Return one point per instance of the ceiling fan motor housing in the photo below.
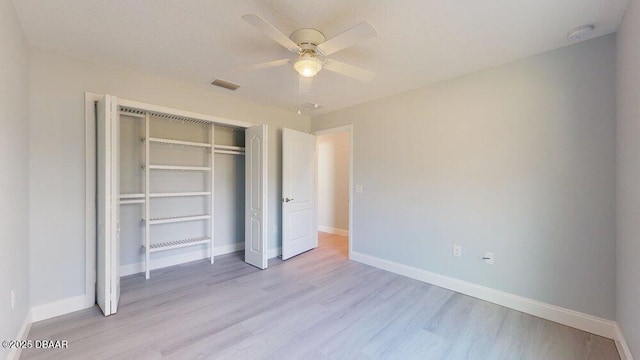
(307, 39)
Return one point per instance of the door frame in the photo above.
(90, 231)
(336, 130)
(90, 175)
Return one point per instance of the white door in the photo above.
(299, 193)
(108, 211)
(255, 238)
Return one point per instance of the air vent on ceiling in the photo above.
(225, 84)
(309, 106)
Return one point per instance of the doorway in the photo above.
(335, 182)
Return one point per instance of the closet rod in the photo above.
(129, 202)
(229, 147)
(131, 196)
(229, 152)
(182, 168)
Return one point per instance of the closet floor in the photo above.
(318, 305)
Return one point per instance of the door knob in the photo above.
(287, 199)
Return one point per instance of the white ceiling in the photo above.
(419, 41)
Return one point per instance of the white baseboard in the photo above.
(57, 308)
(621, 345)
(199, 254)
(332, 230)
(23, 333)
(578, 320)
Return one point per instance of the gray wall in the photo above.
(628, 190)
(333, 180)
(57, 85)
(518, 159)
(14, 174)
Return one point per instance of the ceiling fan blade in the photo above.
(356, 34)
(265, 65)
(261, 24)
(349, 70)
(304, 84)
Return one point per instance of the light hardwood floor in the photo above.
(318, 305)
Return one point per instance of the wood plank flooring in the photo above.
(318, 305)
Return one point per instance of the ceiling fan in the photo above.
(312, 47)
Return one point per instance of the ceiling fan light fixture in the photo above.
(308, 66)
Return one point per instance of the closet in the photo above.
(175, 186)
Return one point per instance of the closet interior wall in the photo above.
(228, 192)
(229, 180)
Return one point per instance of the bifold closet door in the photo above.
(299, 191)
(255, 238)
(108, 207)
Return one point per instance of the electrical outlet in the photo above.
(13, 299)
(457, 250)
(359, 189)
(488, 258)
